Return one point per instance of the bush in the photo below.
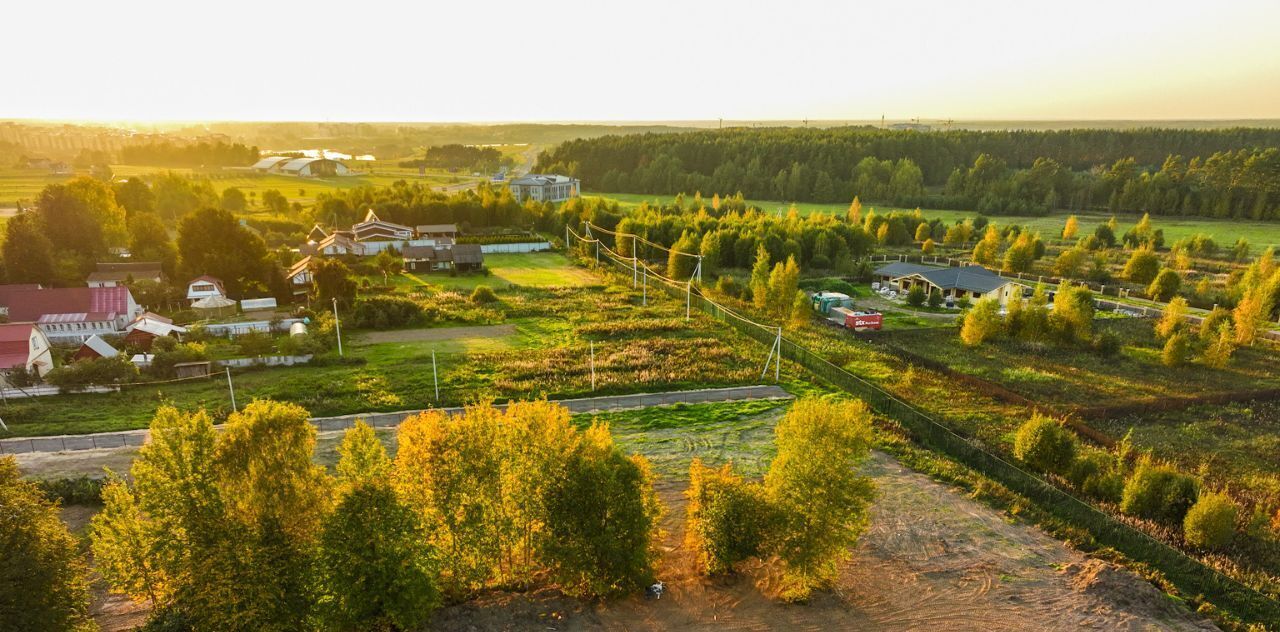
(255, 343)
(483, 295)
(838, 285)
(916, 296)
(935, 299)
(728, 286)
(1165, 285)
(982, 323)
(1211, 522)
(1095, 473)
(382, 312)
(1106, 344)
(1159, 492)
(98, 371)
(1045, 444)
(729, 519)
(167, 355)
(1177, 350)
(81, 490)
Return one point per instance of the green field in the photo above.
(549, 269)
(1224, 231)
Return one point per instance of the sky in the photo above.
(599, 60)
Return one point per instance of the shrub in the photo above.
(729, 286)
(838, 285)
(483, 295)
(1045, 444)
(1142, 267)
(1176, 350)
(1211, 522)
(1159, 492)
(1095, 473)
(255, 343)
(1106, 344)
(1165, 285)
(81, 490)
(1210, 325)
(382, 312)
(98, 371)
(916, 296)
(164, 359)
(935, 298)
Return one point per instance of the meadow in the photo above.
(1225, 231)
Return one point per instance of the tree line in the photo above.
(202, 154)
(240, 529)
(457, 156)
(1221, 173)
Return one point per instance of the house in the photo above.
(144, 331)
(205, 286)
(73, 314)
(113, 274)
(972, 281)
(317, 234)
(24, 345)
(299, 277)
(93, 348)
(545, 188)
(374, 229)
(313, 168)
(467, 257)
(426, 258)
(337, 244)
(438, 232)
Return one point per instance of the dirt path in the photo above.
(438, 333)
(931, 560)
(880, 304)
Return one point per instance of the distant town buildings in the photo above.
(545, 188)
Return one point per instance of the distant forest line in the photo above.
(1217, 173)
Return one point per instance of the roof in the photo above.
(75, 317)
(153, 316)
(156, 327)
(902, 268)
(122, 271)
(299, 267)
(31, 305)
(538, 179)
(468, 253)
(258, 303)
(7, 290)
(213, 302)
(298, 163)
(971, 278)
(270, 161)
(208, 279)
(100, 347)
(438, 228)
(15, 344)
(418, 252)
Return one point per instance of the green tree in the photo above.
(916, 296)
(149, 241)
(388, 264)
(233, 200)
(1211, 522)
(680, 265)
(211, 241)
(1045, 444)
(601, 519)
(1159, 492)
(362, 458)
(44, 583)
(728, 520)
(710, 250)
(1174, 318)
(28, 255)
(135, 196)
(784, 282)
(331, 279)
(981, 323)
(760, 279)
(275, 201)
(815, 486)
(1177, 350)
(1142, 267)
(1165, 285)
(1070, 262)
(935, 298)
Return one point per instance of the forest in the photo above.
(456, 156)
(1218, 173)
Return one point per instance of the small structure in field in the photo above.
(210, 306)
(94, 348)
(468, 257)
(191, 369)
(144, 331)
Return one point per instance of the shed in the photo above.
(257, 304)
(191, 369)
(468, 257)
(95, 347)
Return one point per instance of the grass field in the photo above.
(549, 269)
(1224, 231)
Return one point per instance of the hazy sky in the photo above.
(470, 60)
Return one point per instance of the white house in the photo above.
(24, 345)
(545, 188)
(205, 286)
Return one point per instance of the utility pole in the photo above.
(231, 387)
(645, 294)
(435, 380)
(688, 298)
(593, 365)
(337, 326)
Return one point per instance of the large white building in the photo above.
(74, 314)
(545, 188)
(302, 167)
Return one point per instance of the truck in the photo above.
(856, 319)
(824, 302)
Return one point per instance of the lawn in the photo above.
(547, 269)
(1224, 231)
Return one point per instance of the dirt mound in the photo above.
(1117, 587)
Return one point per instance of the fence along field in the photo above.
(1188, 575)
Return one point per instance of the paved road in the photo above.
(63, 443)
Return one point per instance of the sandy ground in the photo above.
(438, 333)
(931, 560)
